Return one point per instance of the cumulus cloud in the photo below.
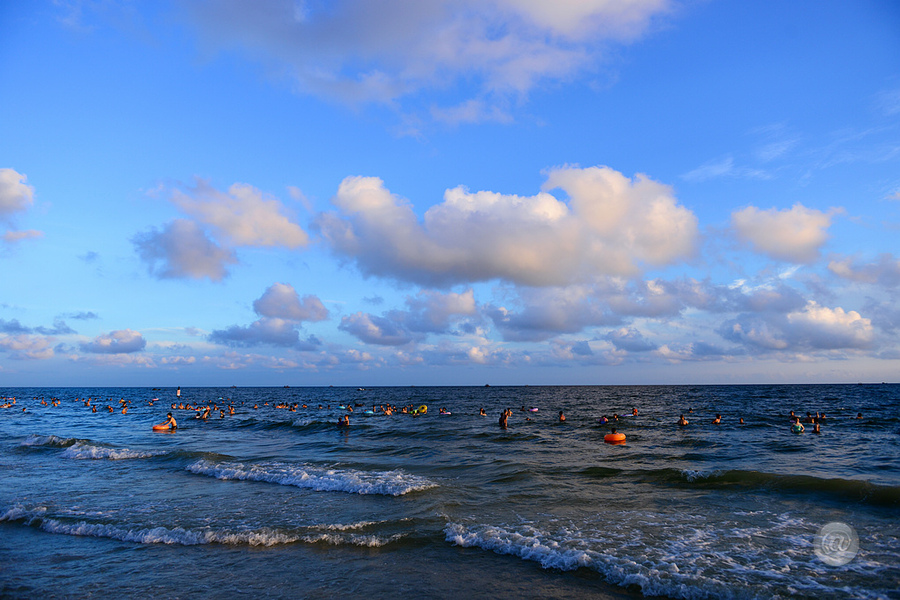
(182, 249)
(542, 314)
(814, 327)
(381, 331)
(630, 340)
(16, 196)
(794, 235)
(244, 216)
(830, 328)
(121, 341)
(884, 271)
(265, 331)
(380, 51)
(281, 300)
(281, 312)
(612, 225)
(428, 311)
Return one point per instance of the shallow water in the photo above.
(275, 503)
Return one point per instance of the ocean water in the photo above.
(278, 504)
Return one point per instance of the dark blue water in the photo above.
(279, 503)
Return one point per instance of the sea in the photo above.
(278, 501)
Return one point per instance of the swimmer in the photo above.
(504, 417)
(859, 415)
(603, 420)
(742, 420)
(170, 421)
(344, 421)
(482, 413)
(816, 428)
(634, 412)
(717, 420)
(682, 421)
(562, 417)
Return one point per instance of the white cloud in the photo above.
(121, 341)
(15, 194)
(612, 225)
(546, 313)
(794, 235)
(244, 216)
(183, 249)
(429, 312)
(27, 347)
(265, 331)
(579, 18)
(281, 310)
(380, 331)
(813, 327)
(382, 50)
(885, 271)
(281, 300)
(630, 339)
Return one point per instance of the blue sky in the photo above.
(437, 193)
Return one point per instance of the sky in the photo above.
(468, 192)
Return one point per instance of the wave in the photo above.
(387, 483)
(85, 449)
(679, 560)
(567, 552)
(332, 535)
(49, 441)
(849, 489)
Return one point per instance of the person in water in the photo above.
(717, 420)
(562, 417)
(482, 413)
(682, 421)
(170, 421)
(504, 417)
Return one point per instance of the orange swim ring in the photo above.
(614, 438)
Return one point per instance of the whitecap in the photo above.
(180, 536)
(387, 483)
(85, 450)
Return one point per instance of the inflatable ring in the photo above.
(422, 410)
(161, 428)
(614, 438)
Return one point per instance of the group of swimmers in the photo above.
(203, 411)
